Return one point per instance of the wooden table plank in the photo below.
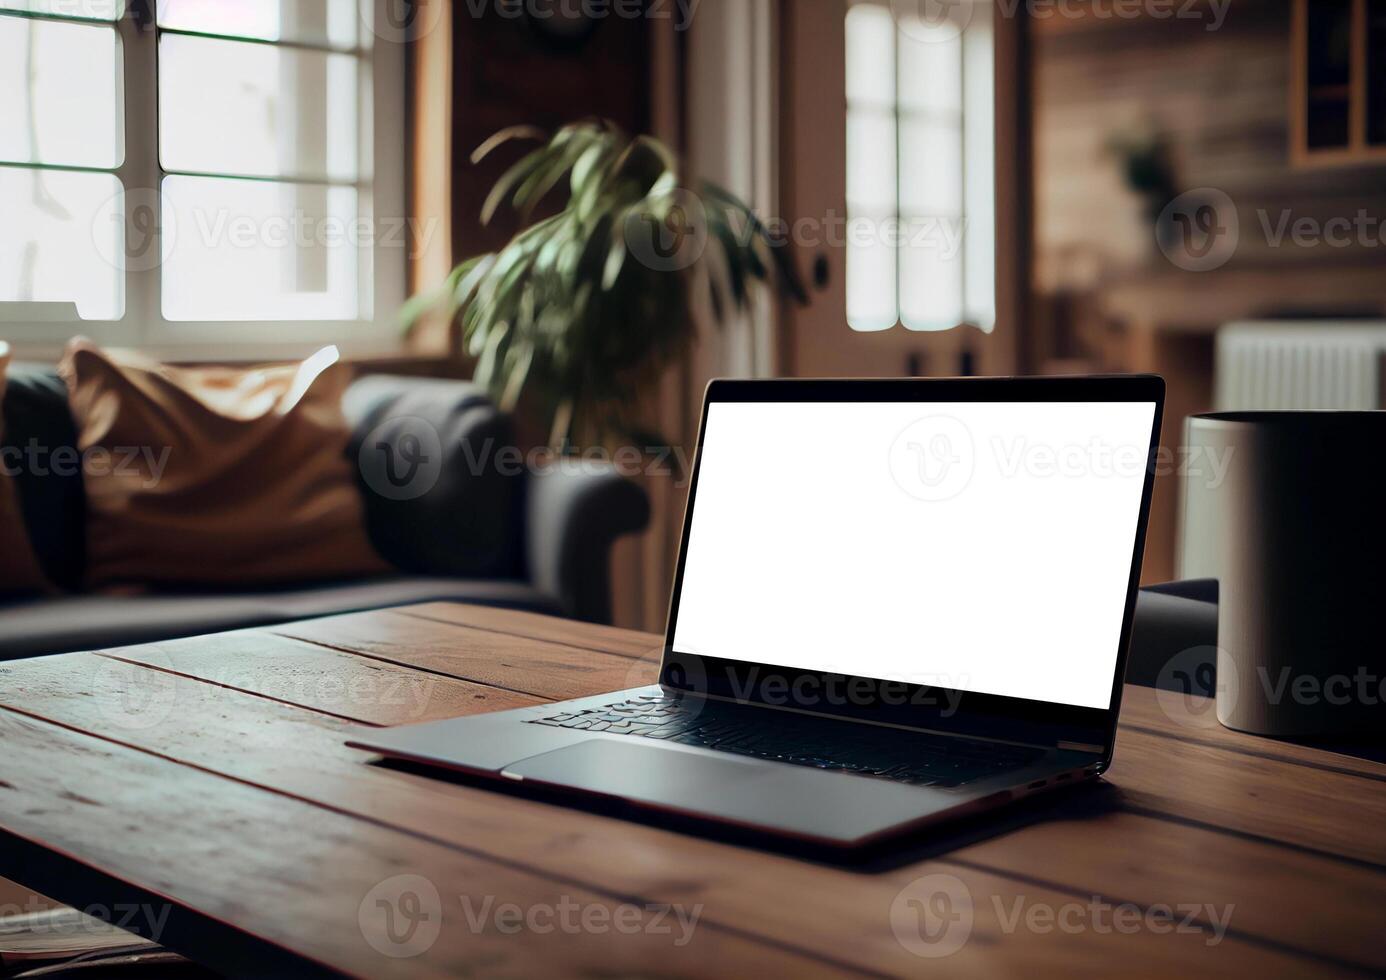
(1194, 719)
(1293, 804)
(229, 732)
(514, 663)
(1183, 780)
(1159, 773)
(1189, 841)
(568, 632)
(323, 679)
(1278, 895)
(300, 876)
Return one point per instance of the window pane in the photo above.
(331, 22)
(931, 179)
(870, 160)
(256, 250)
(870, 55)
(63, 93)
(231, 107)
(931, 270)
(871, 258)
(931, 67)
(88, 9)
(61, 240)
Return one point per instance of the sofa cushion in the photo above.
(48, 484)
(216, 476)
(436, 464)
(72, 623)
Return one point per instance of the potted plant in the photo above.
(584, 309)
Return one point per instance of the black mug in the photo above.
(1288, 511)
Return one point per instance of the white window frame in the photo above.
(383, 265)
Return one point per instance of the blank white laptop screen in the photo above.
(978, 546)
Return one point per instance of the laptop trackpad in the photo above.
(680, 780)
(790, 799)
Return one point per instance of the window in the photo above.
(920, 189)
(201, 174)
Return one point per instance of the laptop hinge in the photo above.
(1082, 747)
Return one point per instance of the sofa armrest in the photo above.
(1174, 636)
(574, 512)
(426, 452)
(1199, 589)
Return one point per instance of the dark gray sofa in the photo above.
(481, 529)
(1174, 637)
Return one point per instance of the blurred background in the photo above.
(932, 187)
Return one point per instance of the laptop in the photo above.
(897, 602)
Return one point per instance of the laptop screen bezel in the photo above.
(908, 705)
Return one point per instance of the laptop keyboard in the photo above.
(901, 756)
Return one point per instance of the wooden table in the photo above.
(206, 781)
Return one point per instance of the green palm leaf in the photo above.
(574, 308)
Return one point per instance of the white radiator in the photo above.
(1299, 365)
